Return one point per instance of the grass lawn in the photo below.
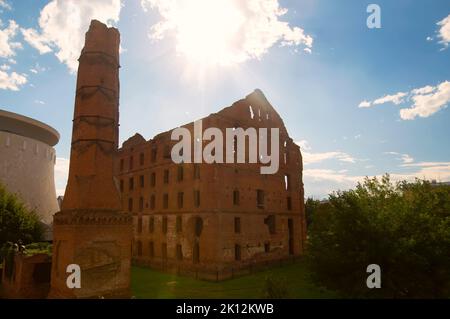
(147, 283)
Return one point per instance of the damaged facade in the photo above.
(213, 221)
(91, 230)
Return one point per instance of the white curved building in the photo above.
(27, 160)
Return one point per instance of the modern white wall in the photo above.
(27, 169)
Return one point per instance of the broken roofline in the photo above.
(252, 111)
(254, 108)
(235, 139)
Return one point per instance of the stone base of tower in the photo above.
(100, 243)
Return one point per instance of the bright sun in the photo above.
(208, 31)
(211, 33)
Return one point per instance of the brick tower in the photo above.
(91, 230)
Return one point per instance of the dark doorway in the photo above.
(41, 273)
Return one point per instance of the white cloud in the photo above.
(12, 81)
(304, 145)
(63, 25)
(396, 99)
(33, 38)
(424, 90)
(61, 175)
(426, 164)
(330, 175)
(7, 46)
(444, 31)
(364, 104)
(312, 158)
(426, 170)
(5, 5)
(426, 100)
(421, 170)
(39, 102)
(5, 67)
(320, 182)
(405, 158)
(425, 105)
(37, 69)
(236, 30)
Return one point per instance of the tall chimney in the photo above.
(95, 123)
(91, 231)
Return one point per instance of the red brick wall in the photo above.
(217, 183)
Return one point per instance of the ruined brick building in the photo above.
(213, 220)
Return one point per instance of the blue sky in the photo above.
(404, 65)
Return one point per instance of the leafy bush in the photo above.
(16, 221)
(275, 288)
(311, 206)
(38, 248)
(7, 254)
(403, 227)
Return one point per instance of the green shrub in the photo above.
(403, 227)
(16, 221)
(38, 248)
(7, 254)
(311, 206)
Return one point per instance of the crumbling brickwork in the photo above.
(28, 278)
(213, 220)
(91, 230)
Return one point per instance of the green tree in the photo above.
(402, 227)
(311, 207)
(16, 221)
